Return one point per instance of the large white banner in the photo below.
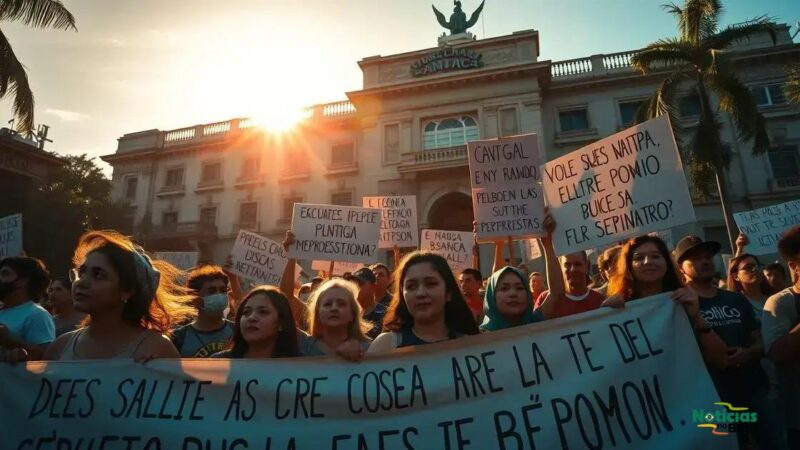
(764, 226)
(181, 260)
(629, 379)
(506, 187)
(11, 235)
(625, 185)
(398, 220)
(454, 246)
(335, 233)
(258, 258)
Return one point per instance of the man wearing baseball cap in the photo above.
(372, 311)
(743, 382)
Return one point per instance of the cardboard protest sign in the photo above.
(398, 220)
(339, 267)
(627, 379)
(530, 249)
(625, 185)
(258, 258)
(335, 233)
(181, 260)
(506, 187)
(454, 246)
(764, 226)
(11, 235)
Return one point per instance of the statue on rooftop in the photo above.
(458, 20)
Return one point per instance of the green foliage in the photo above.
(77, 198)
(792, 88)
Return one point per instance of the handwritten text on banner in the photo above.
(455, 246)
(626, 379)
(335, 233)
(506, 186)
(398, 220)
(764, 226)
(258, 258)
(627, 184)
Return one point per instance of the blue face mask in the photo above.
(215, 304)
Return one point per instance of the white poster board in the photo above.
(11, 235)
(628, 184)
(764, 226)
(398, 220)
(258, 258)
(339, 267)
(666, 236)
(506, 187)
(454, 246)
(530, 249)
(181, 260)
(335, 233)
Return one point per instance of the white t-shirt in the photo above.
(29, 323)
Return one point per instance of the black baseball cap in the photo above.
(693, 243)
(364, 275)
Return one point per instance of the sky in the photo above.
(136, 65)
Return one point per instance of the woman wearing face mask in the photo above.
(645, 268)
(746, 277)
(508, 301)
(334, 319)
(210, 332)
(427, 307)
(264, 327)
(65, 317)
(131, 302)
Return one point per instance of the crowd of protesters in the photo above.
(118, 302)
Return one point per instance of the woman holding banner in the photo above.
(131, 301)
(334, 318)
(264, 327)
(645, 268)
(427, 307)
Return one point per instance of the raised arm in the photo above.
(287, 282)
(555, 279)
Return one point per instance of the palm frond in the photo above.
(38, 13)
(699, 16)
(706, 145)
(14, 82)
(735, 99)
(792, 87)
(664, 53)
(742, 32)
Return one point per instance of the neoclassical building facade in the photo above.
(405, 133)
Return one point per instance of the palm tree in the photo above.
(792, 87)
(700, 58)
(13, 78)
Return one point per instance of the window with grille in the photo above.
(573, 120)
(288, 206)
(627, 111)
(342, 154)
(342, 199)
(174, 177)
(771, 94)
(251, 167)
(131, 184)
(208, 215)
(391, 143)
(785, 161)
(508, 122)
(211, 172)
(449, 132)
(248, 212)
(169, 218)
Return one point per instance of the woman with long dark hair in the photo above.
(745, 276)
(645, 268)
(132, 302)
(427, 306)
(264, 327)
(65, 317)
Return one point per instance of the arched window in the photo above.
(449, 132)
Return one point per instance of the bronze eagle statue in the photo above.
(458, 20)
